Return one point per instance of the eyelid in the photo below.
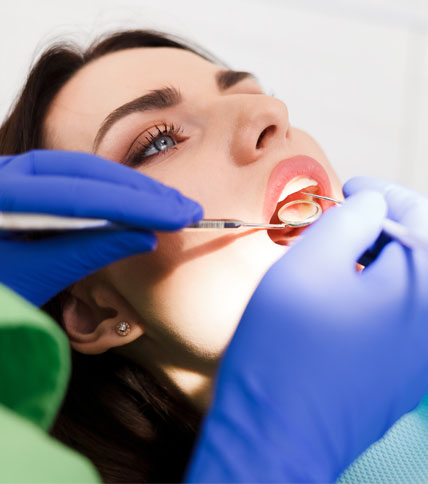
(152, 134)
(127, 154)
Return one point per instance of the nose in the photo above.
(259, 123)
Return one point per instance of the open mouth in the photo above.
(289, 178)
(292, 191)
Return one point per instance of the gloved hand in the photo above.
(325, 358)
(81, 185)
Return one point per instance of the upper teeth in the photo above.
(295, 185)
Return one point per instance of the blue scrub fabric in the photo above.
(400, 456)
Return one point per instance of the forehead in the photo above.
(106, 83)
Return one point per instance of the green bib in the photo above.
(34, 373)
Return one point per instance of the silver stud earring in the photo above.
(123, 328)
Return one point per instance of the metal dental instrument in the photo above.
(285, 214)
(409, 238)
(27, 222)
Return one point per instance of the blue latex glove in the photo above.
(81, 185)
(325, 359)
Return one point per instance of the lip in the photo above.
(285, 171)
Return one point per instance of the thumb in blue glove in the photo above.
(324, 360)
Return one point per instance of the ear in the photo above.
(91, 315)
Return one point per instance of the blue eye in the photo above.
(160, 142)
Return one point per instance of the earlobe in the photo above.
(94, 326)
(105, 337)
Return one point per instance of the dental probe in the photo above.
(403, 234)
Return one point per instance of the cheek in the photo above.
(202, 174)
(179, 293)
(138, 276)
(191, 291)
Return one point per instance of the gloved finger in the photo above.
(393, 259)
(343, 233)
(358, 183)
(81, 165)
(92, 198)
(72, 257)
(404, 204)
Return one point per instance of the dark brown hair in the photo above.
(115, 412)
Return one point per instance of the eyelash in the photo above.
(166, 129)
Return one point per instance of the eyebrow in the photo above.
(163, 98)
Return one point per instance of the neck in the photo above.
(195, 387)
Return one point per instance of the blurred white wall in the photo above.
(354, 73)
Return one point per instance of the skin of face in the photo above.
(185, 299)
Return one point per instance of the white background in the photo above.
(354, 73)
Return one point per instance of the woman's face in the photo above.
(224, 138)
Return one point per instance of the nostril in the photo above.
(263, 134)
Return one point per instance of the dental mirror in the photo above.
(299, 213)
